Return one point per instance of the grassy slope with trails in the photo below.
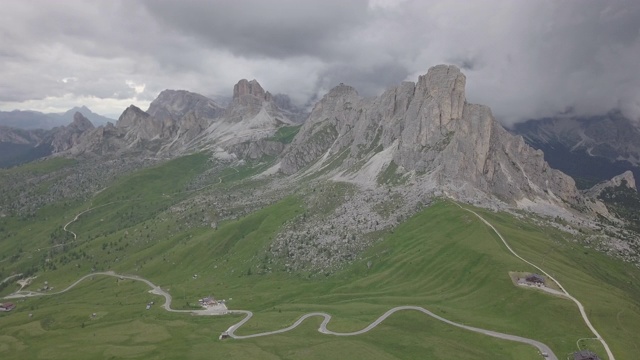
(444, 259)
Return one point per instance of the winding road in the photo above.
(220, 310)
(564, 291)
(155, 289)
(544, 349)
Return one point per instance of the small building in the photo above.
(535, 278)
(224, 335)
(208, 301)
(7, 306)
(585, 355)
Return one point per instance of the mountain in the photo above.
(174, 104)
(425, 133)
(16, 145)
(625, 179)
(96, 119)
(37, 120)
(621, 198)
(293, 112)
(590, 149)
(20, 146)
(179, 122)
(29, 120)
(65, 137)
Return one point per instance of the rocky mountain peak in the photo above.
(174, 104)
(131, 116)
(445, 84)
(64, 138)
(81, 123)
(426, 131)
(245, 87)
(627, 179)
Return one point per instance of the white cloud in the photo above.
(525, 59)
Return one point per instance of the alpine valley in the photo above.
(407, 225)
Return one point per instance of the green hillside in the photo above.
(443, 258)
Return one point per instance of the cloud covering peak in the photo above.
(525, 59)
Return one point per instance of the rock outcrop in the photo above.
(173, 105)
(253, 88)
(625, 179)
(427, 129)
(65, 137)
(179, 122)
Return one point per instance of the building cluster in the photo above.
(208, 301)
(532, 280)
(535, 279)
(7, 306)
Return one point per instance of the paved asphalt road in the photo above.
(564, 291)
(544, 349)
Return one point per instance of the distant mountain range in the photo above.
(420, 133)
(176, 122)
(590, 149)
(421, 140)
(37, 120)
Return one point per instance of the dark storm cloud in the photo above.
(277, 29)
(368, 81)
(525, 59)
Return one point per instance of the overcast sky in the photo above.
(525, 59)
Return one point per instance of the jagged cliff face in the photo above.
(65, 137)
(625, 179)
(175, 104)
(179, 122)
(426, 129)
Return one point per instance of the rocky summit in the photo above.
(423, 137)
(428, 132)
(180, 122)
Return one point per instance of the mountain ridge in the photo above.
(428, 131)
(590, 149)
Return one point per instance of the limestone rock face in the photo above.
(135, 132)
(81, 123)
(625, 178)
(333, 117)
(179, 122)
(65, 137)
(139, 125)
(255, 150)
(245, 87)
(429, 129)
(175, 104)
(249, 99)
(102, 141)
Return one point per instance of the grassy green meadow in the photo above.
(443, 258)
